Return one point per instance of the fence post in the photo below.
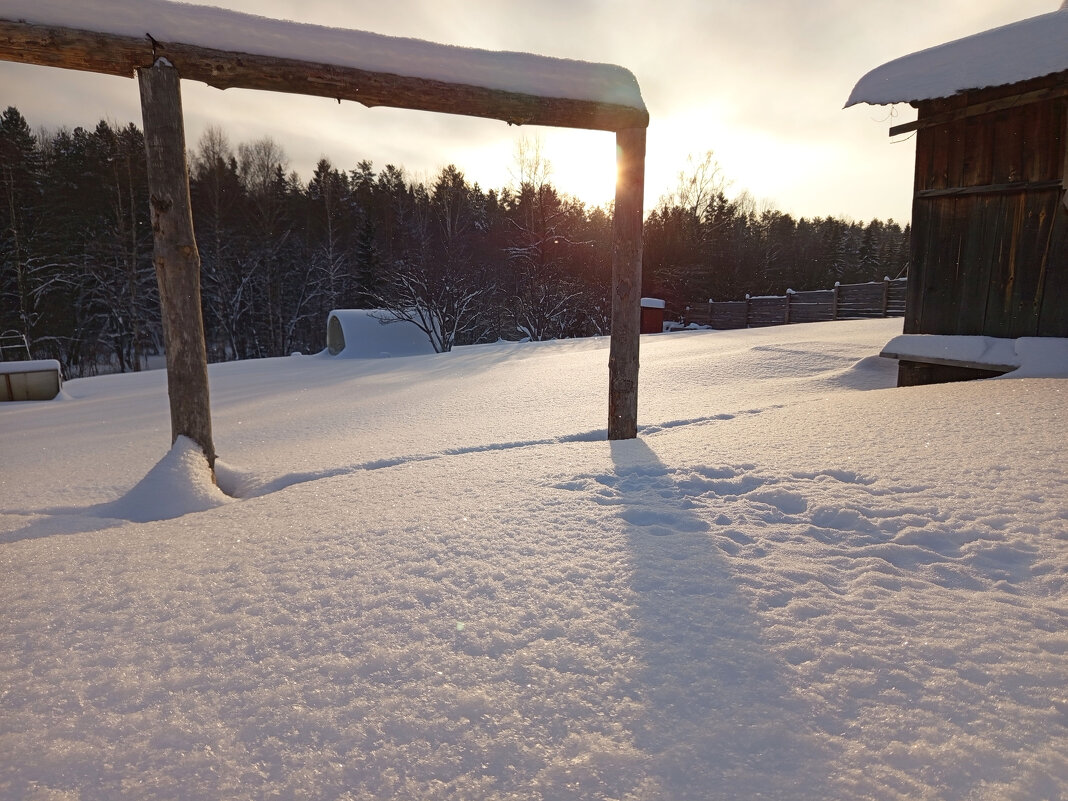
(834, 300)
(786, 313)
(886, 293)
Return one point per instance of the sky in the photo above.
(761, 84)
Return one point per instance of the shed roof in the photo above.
(1031, 48)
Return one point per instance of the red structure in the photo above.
(652, 316)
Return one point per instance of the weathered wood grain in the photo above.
(989, 254)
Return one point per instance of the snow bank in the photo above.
(1028, 49)
(247, 33)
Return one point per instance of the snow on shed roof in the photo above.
(1012, 53)
(221, 29)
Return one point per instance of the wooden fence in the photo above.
(884, 298)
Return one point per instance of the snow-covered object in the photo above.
(365, 334)
(653, 303)
(1017, 52)
(233, 31)
(1031, 356)
(30, 366)
(37, 379)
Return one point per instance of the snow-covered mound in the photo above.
(372, 334)
(439, 581)
(180, 484)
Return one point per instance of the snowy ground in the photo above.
(438, 581)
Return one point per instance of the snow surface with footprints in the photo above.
(432, 578)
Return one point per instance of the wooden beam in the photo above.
(970, 364)
(987, 107)
(626, 285)
(175, 256)
(111, 54)
(992, 189)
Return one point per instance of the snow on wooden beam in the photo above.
(122, 55)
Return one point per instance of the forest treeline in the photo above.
(277, 253)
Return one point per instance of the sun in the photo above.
(583, 165)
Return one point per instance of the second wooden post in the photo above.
(626, 285)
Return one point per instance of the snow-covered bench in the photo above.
(40, 379)
(1033, 357)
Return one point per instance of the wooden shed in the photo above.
(989, 214)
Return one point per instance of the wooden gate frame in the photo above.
(159, 67)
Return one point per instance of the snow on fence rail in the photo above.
(884, 298)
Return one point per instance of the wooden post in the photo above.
(175, 255)
(626, 285)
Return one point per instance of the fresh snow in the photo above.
(233, 31)
(433, 578)
(1017, 52)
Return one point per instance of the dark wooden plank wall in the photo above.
(812, 306)
(766, 310)
(844, 302)
(861, 301)
(989, 243)
(728, 314)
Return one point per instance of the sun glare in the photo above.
(584, 165)
(581, 163)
